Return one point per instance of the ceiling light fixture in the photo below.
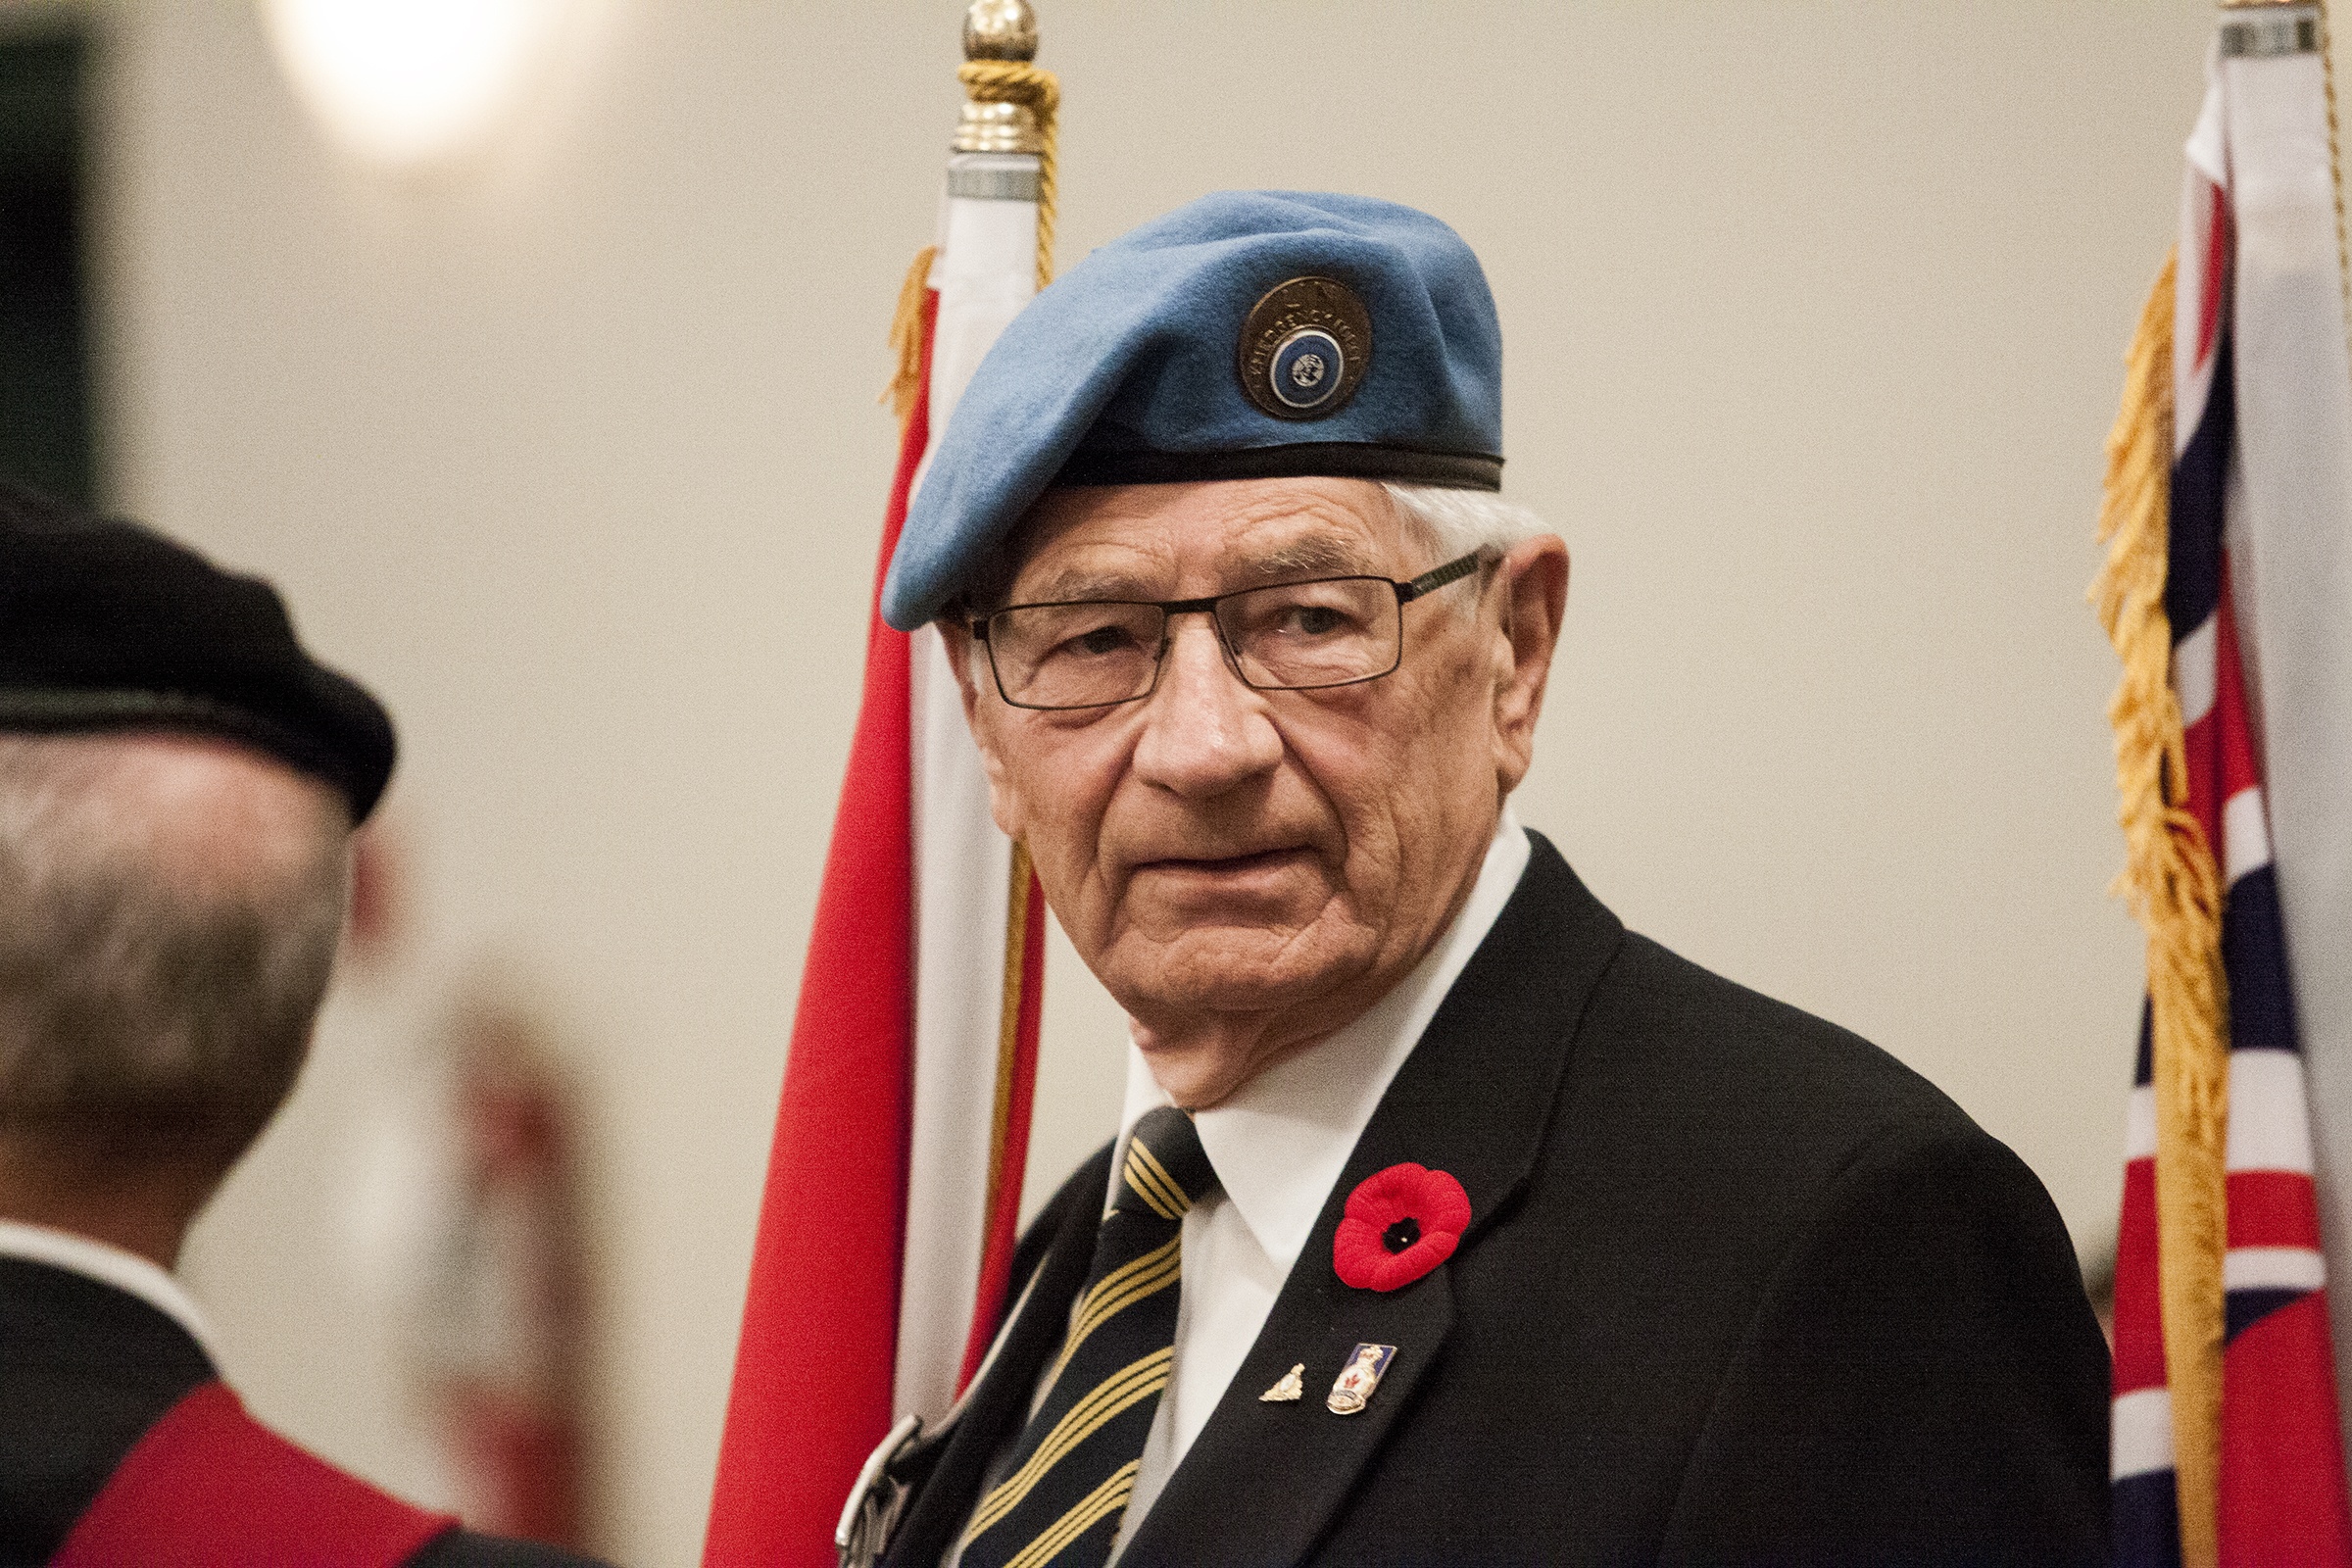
(406, 82)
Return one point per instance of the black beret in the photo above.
(110, 625)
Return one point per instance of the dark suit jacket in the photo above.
(85, 1369)
(1738, 1288)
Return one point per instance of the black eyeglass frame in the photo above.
(1427, 583)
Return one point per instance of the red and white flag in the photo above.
(2257, 592)
(887, 1226)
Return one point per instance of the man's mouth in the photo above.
(1229, 865)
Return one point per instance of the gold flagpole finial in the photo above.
(1000, 37)
(1000, 30)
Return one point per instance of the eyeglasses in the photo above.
(1292, 636)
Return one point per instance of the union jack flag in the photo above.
(2278, 1493)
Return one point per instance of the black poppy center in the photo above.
(1401, 1235)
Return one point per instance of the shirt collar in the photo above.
(126, 1272)
(1282, 1139)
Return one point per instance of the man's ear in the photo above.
(980, 713)
(1531, 584)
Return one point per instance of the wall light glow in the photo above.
(407, 81)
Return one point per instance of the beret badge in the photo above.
(1305, 348)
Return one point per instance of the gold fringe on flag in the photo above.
(906, 337)
(2169, 880)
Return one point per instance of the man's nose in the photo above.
(1205, 732)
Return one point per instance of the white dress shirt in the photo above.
(126, 1272)
(1279, 1145)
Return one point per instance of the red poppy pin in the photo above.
(1400, 1223)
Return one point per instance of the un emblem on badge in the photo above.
(1305, 348)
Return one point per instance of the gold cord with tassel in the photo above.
(1017, 81)
(2336, 168)
(987, 82)
(2171, 883)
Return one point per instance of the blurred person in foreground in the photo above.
(178, 786)
(1448, 1222)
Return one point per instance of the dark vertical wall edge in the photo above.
(47, 427)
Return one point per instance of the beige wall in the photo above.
(1814, 315)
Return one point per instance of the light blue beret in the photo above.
(1246, 335)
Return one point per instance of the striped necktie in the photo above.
(1075, 1466)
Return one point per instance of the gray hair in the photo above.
(1456, 522)
(162, 954)
(1452, 522)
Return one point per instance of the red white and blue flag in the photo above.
(2256, 413)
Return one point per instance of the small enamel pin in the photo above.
(1291, 1387)
(1358, 1378)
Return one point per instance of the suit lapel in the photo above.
(999, 1402)
(1263, 1481)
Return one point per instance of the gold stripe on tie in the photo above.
(1177, 1198)
(1114, 1292)
(1149, 1177)
(1140, 1182)
(1124, 1389)
(1107, 1498)
(1118, 1392)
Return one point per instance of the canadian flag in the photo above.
(894, 1184)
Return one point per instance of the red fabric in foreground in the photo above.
(209, 1487)
(820, 1320)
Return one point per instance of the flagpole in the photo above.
(2335, 143)
(1011, 105)
(887, 1223)
(979, 916)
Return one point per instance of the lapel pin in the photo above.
(1358, 1378)
(1291, 1387)
(1400, 1223)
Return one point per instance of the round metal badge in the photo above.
(1305, 348)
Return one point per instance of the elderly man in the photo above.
(1450, 1221)
(178, 784)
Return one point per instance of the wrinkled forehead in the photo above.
(1179, 540)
